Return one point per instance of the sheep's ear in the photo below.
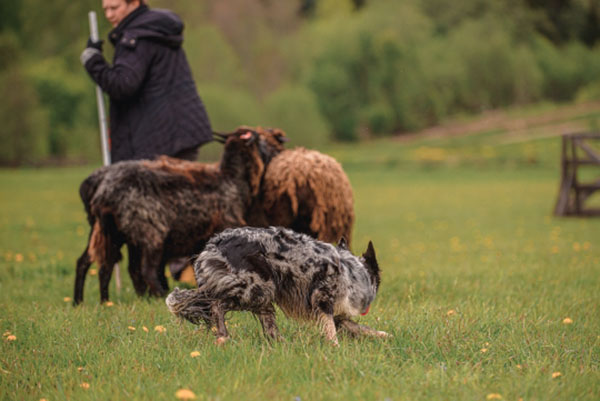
(280, 136)
(249, 137)
(342, 244)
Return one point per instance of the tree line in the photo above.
(319, 69)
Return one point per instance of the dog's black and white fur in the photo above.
(252, 268)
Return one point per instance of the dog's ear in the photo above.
(342, 244)
(371, 263)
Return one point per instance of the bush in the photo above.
(24, 124)
(212, 59)
(565, 69)
(70, 103)
(229, 107)
(334, 88)
(294, 109)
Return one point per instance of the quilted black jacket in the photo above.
(154, 106)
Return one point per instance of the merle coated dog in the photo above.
(252, 268)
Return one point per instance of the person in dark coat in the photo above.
(154, 106)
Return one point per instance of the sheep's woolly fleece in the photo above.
(314, 183)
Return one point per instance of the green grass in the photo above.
(471, 257)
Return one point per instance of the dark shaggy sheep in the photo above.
(308, 192)
(167, 208)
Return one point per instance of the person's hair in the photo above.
(141, 1)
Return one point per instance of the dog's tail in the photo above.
(191, 305)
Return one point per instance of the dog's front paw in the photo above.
(383, 334)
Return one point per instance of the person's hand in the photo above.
(92, 48)
(95, 45)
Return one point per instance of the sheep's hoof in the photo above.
(221, 341)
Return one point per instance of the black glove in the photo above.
(95, 45)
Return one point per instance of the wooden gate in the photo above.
(577, 152)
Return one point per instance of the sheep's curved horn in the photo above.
(219, 137)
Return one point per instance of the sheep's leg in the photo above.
(83, 264)
(356, 329)
(218, 316)
(135, 269)
(113, 255)
(151, 261)
(105, 275)
(162, 278)
(267, 320)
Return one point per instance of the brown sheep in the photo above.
(308, 192)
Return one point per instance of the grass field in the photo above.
(486, 294)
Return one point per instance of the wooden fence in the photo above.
(577, 151)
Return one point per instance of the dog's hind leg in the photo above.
(267, 320)
(218, 317)
(356, 329)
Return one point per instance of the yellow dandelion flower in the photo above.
(80, 369)
(576, 246)
(67, 299)
(160, 329)
(554, 249)
(556, 375)
(43, 399)
(451, 312)
(93, 272)
(567, 320)
(484, 350)
(185, 394)
(195, 354)
(493, 396)
(60, 255)
(131, 328)
(145, 329)
(6, 334)
(109, 304)
(519, 366)
(84, 385)
(11, 338)
(18, 257)
(587, 245)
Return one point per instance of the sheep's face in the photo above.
(244, 156)
(269, 141)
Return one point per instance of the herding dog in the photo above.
(252, 268)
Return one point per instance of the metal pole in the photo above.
(100, 97)
(102, 120)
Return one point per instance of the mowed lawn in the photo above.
(487, 295)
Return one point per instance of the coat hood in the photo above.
(159, 25)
